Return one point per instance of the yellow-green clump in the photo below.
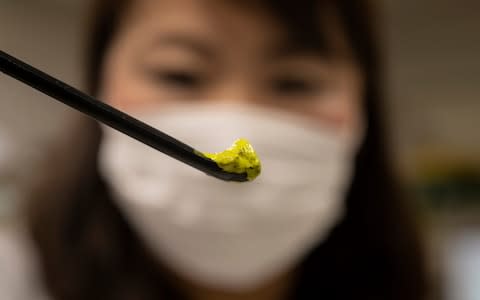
(239, 158)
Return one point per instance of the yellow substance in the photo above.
(239, 158)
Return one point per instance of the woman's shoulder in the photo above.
(19, 270)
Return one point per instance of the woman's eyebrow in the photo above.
(185, 41)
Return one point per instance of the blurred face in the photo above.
(181, 52)
(172, 52)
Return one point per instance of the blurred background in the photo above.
(432, 50)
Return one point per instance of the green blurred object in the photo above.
(446, 183)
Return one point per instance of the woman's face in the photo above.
(168, 52)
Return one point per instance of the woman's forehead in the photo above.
(235, 23)
(202, 16)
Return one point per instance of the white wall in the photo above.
(433, 54)
(48, 35)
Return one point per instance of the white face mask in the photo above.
(223, 234)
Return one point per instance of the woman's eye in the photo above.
(179, 79)
(292, 85)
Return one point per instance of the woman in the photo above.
(303, 71)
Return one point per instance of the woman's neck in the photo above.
(278, 288)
